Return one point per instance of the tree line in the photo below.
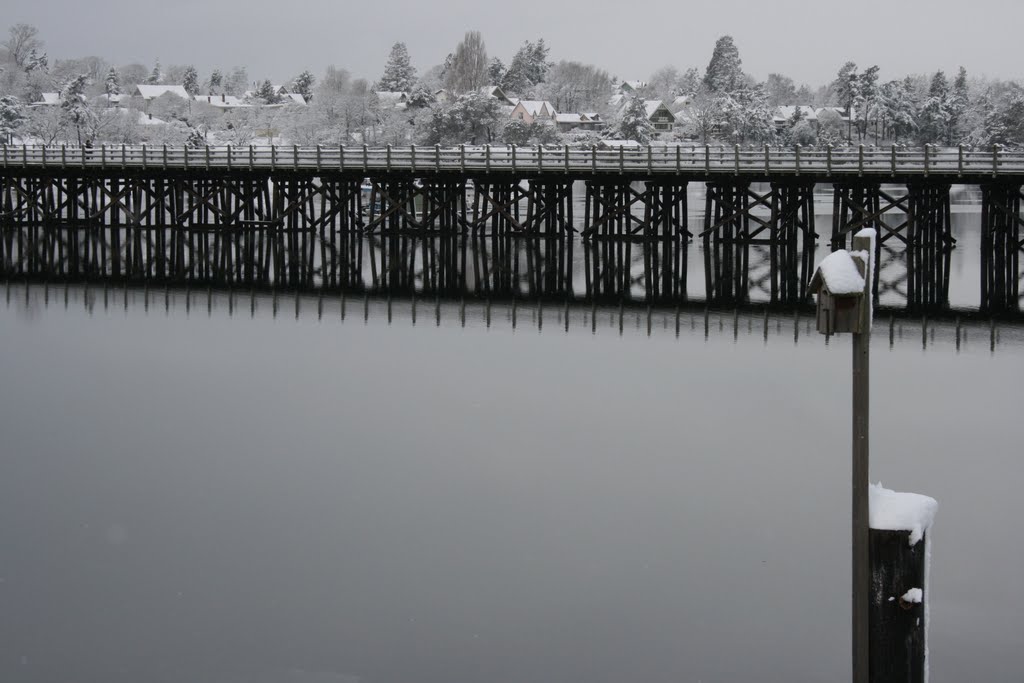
(447, 104)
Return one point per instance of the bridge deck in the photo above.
(697, 162)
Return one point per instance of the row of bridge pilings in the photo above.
(494, 234)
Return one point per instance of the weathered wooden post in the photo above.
(886, 647)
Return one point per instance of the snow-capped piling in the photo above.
(898, 613)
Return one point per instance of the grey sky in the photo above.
(807, 40)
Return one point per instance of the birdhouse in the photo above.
(839, 286)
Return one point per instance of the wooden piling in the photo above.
(897, 624)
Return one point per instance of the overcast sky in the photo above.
(807, 40)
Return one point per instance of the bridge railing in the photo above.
(719, 160)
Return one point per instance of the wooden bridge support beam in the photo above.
(1001, 245)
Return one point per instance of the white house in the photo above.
(784, 115)
(531, 111)
(660, 116)
(582, 121)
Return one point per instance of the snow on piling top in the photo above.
(839, 272)
(894, 511)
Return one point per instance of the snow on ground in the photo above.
(894, 511)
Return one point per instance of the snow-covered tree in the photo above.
(934, 117)
(634, 123)
(867, 98)
(73, 105)
(496, 71)
(156, 75)
(959, 103)
(190, 80)
(573, 86)
(399, 73)
(747, 115)
(21, 41)
(830, 129)
(215, 83)
(46, 124)
(467, 71)
(528, 67)
(725, 70)
(303, 85)
(112, 83)
(781, 90)
(473, 118)
(266, 93)
(37, 62)
(12, 117)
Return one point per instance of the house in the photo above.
(567, 122)
(841, 111)
(630, 87)
(783, 115)
(680, 103)
(49, 99)
(660, 116)
(222, 102)
(392, 99)
(151, 92)
(534, 111)
(497, 93)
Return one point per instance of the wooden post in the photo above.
(897, 639)
(828, 160)
(893, 160)
(797, 151)
(926, 148)
(860, 160)
(861, 385)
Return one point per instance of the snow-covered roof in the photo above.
(592, 115)
(222, 101)
(785, 112)
(617, 100)
(49, 98)
(838, 272)
(294, 98)
(682, 101)
(112, 99)
(838, 110)
(535, 107)
(569, 118)
(149, 92)
(496, 92)
(651, 106)
(633, 85)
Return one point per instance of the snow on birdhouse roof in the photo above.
(839, 274)
(150, 92)
(894, 511)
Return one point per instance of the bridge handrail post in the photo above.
(295, 157)
(650, 158)
(995, 160)
(103, 155)
(145, 163)
(124, 158)
(566, 149)
(828, 160)
(318, 159)
(64, 155)
(437, 157)
(273, 157)
(24, 155)
(796, 150)
(622, 159)
(366, 158)
(462, 157)
(707, 158)
(513, 147)
(5, 155)
(228, 152)
(207, 157)
(387, 156)
(960, 161)
(767, 158)
(860, 160)
(184, 155)
(252, 157)
(487, 157)
(893, 163)
(926, 146)
(593, 158)
(412, 157)
(736, 157)
(44, 156)
(341, 157)
(165, 157)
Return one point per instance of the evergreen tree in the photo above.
(725, 70)
(112, 84)
(496, 71)
(216, 81)
(12, 117)
(74, 109)
(399, 73)
(190, 81)
(529, 67)
(634, 124)
(266, 93)
(37, 62)
(866, 99)
(846, 88)
(935, 112)
(155, 76)
(303, 85)
(960, 102)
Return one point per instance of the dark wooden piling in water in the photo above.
(896, 626)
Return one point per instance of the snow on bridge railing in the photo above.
(718, 160)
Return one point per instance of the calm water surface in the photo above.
(204, 497)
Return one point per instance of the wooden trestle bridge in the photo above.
(497, 221)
